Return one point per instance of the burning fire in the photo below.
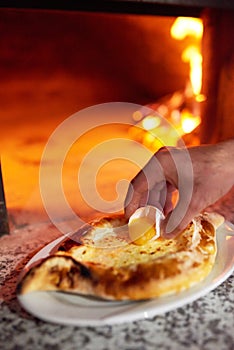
(193, 56)
(188, 26)
(181, 28)
(181, 109)
(184, 26)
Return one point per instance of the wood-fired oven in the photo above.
(57, 58)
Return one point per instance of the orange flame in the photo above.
(181, 28)
(187, 26)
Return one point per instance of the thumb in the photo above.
(177, 220)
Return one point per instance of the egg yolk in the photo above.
(141, 230)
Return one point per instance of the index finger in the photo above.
(137, 194)
(140, 186)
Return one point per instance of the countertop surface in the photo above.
(207, 323)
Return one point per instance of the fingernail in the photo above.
(169, 235)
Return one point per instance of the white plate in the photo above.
(71, 309)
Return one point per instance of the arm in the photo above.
(203, 176)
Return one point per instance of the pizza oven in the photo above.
(57, 59)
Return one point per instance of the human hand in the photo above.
(202, 175)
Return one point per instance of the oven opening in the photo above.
(56, 63)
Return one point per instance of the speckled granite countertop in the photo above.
(206, 324)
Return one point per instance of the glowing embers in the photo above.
(188, 121)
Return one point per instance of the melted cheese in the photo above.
(111, 246)
(125, 255)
